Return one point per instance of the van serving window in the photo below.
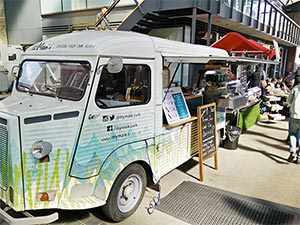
(131, 86)
(66, 80)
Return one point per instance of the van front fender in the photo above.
(116, 162)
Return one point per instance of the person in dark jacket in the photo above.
(289, 80)
(256, 76)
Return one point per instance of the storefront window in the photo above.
(255, 9)
(273, 16)
(268, 13)
(238, 6)
(262, 11)
(288, 30)
(55, 6)
(131, 86)
(98, 3)
(69, 5)
(227, 2)
(247, 7)
(128, 2)
(279, 22)
(52, 6)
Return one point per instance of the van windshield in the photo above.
(59, 79)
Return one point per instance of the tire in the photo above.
(126, 194)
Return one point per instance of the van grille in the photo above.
(3, 154)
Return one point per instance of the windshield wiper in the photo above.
(45, 87)
(25, 89)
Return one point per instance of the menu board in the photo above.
(207, 134)
(174, 105)
(207, 129)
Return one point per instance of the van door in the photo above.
(119, 121)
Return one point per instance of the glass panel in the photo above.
(288, 30)
(273, 14)
(59, 79)
(131, 86)
(52, 6)
(69, 5)
(279, 22)
(131, 2)
(255, 9)
(267, 13)
(247, 7)
(262, 11)
(98, 3)
(238, 5)
(227, 2)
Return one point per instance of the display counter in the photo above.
(191, 119)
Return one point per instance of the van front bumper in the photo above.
(28, 219)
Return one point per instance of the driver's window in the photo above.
(131, 86)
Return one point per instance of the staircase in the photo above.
(117, 13)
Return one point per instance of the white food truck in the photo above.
(84, 125)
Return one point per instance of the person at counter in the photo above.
(230, 75)
(256, 77)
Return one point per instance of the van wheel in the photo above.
(126, 194)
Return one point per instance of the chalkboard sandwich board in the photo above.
(207, 134)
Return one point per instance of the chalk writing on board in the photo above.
(207, 126)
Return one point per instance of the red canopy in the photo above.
(237, 44)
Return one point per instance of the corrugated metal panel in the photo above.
(194, 138)
(3, 155)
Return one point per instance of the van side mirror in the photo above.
(115, 65)
(14, 70)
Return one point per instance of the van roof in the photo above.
(120, 43)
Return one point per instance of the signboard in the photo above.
(207, 134)
(174, 105)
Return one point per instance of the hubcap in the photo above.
(129, 193)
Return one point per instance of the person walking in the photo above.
(294, 121)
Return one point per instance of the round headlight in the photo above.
(40, 149)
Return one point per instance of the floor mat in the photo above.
(200, 204)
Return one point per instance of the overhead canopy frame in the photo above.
(204, 60)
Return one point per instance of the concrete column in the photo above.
(208, 29)
(3, 33)
(194, 21)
